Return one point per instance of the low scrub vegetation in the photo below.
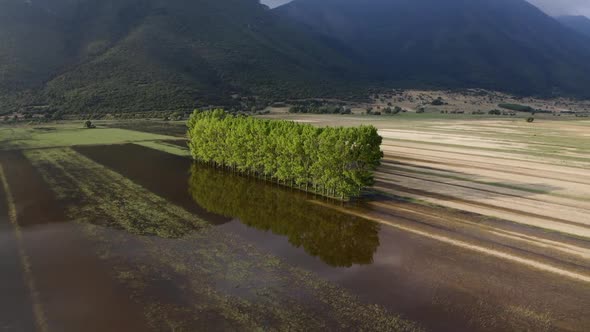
(438, 102)
(523, 108)
(319, 107)
(327, 109)
(517, 107)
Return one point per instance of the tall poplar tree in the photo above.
(336, 162)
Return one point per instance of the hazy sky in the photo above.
(274, 3)
(552, 7)
(564, 7)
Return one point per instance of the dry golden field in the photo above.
(526, 186)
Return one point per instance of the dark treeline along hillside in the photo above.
(335, 162)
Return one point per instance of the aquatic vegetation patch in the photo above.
(96, 189)
(226, 282)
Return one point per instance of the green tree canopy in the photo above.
(336, 162)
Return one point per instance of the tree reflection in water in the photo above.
(337, 238)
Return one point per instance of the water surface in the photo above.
(94, 273)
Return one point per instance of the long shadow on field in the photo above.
(440, 176)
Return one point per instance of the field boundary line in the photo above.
(491, 211)
(381, 181)
(533, 240)
(40, 318)
(384, 176)
(461, 244)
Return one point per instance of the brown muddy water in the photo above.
(272, 258)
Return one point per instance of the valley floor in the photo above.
(532, 174)
(503, 188)
(472, 225)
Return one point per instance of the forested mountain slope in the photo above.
(139, 55)
(505, 45)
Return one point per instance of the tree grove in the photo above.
(336, 162)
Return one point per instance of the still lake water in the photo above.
(109, 279)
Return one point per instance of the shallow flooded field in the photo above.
(133, 236)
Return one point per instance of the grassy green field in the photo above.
(71, 133)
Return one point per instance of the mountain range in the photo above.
(136, 55)
(495, 44)
(143, 55)
(578, 23)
